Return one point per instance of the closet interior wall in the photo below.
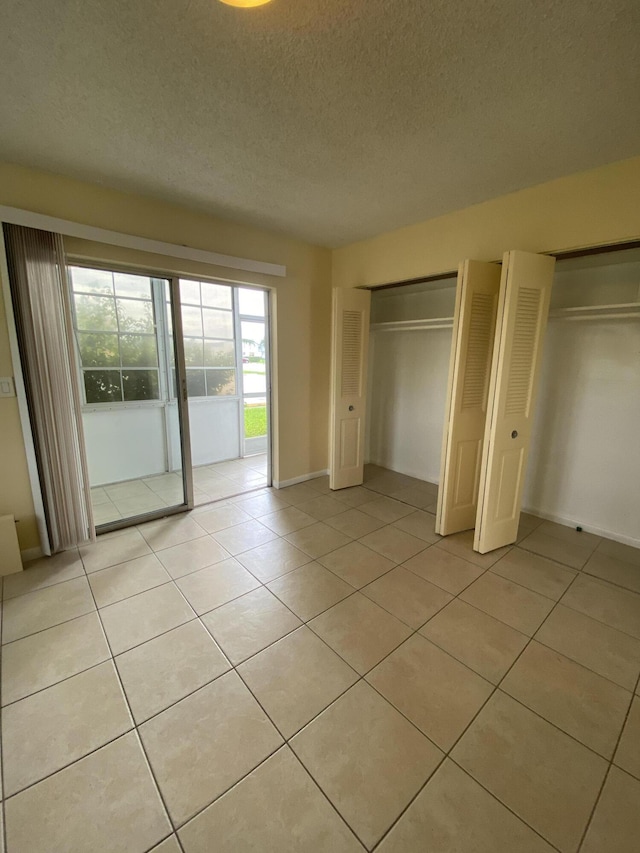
(584, 464)
(408, 378)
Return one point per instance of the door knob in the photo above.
(514, 434)
(351, 408)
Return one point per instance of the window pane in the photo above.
(255, 417)
(192, 322)
(254, 379)
(217, 324)
(190, 291)
(193, 352)
(91, 281)
(216, 295)
(169, 316)
(138, 351)
(102, 386)
(135, 316)
(251, 301)
(221, 382)
(98, 350)
(253, 342)
(219, 354)
(138, 286)
(96, 313)
(195, 383)
(140, 385)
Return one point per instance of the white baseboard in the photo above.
(597, 531)
(31, 554)
(282, 484)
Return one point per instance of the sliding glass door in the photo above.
(252, 315)
(226, 359)
(134, 387)
(174, 374)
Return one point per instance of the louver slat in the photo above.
(474, 390)
(522, 355)
(351, 353)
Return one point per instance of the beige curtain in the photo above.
(40, 292)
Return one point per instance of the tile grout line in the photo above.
(92, 751)
(135, 727)
(446, 754)
(112, 658)
(305, 623)
(286, 741)
(231, 669)
(265, 584)
(333, 807)
(608, 771)
(532, 638)
(384, 698)
(386, 524)
(212, 499)
(467, 727)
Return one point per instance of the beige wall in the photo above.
(591, 208)
(302, 308)
(15, 491)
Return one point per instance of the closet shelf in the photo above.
(597, 312)
(413, 325)
(580, 312)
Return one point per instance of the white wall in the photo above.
(215, 430)
(436, 301)
(408, 385)
(124, 443)
(584, 465)
(408, 380)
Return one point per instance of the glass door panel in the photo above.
(213, 387)
(125, 357)
(255, 379)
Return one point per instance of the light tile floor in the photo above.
(214, 482)
(311, 671)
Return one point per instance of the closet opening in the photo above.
(582, 469)
(409, 351)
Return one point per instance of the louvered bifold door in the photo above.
(466, 411)
(525, 291)
(350, 345)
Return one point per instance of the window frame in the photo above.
(233, 340)
(121, 368)
(164, 336)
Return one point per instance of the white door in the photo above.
(466, 411)
(525, 291)
(350, 342)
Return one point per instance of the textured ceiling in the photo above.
(332, 120)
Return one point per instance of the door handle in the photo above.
(514, 434)
(351, 408)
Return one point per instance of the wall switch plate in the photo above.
(7, 388)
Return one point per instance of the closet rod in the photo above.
(623, 311)
(413, 325)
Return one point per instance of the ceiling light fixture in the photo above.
(245, 4)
